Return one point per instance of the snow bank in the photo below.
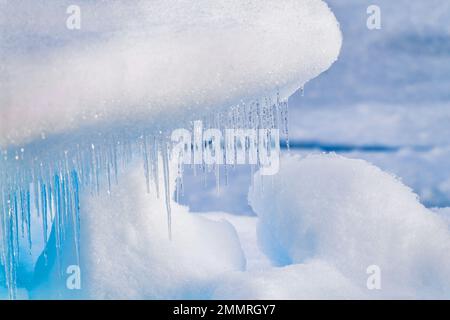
(155, 62)
(126, 252)
(351, 215)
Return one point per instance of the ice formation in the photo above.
(78, 106)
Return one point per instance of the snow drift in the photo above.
(351, 215)
(152, 62)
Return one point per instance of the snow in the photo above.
(126, 252)
(389, 88)
(444, 213)
(351, 215)
(89, 102)
(427, 172)
(327, 219)
(410, 141)
(78, 106)
(132, 63)
(245, 227)
(312, 280)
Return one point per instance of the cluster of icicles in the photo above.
(48, 183)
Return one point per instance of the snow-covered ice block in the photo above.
(126, 252)
(152, 63)
(351, 215)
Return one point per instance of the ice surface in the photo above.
(153, 63)
(351, 215)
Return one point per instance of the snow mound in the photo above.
(126, 252)
(153, 62)
(351, 215)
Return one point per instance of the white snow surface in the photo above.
(350, 215)
(322, 221)
(312, 280)
(126, 252)
(153, 62)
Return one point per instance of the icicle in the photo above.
(179, 179)
(28, 217)
(165, 161)
(76, 213)
(146, 164)
(285, 111)
(217, 165)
